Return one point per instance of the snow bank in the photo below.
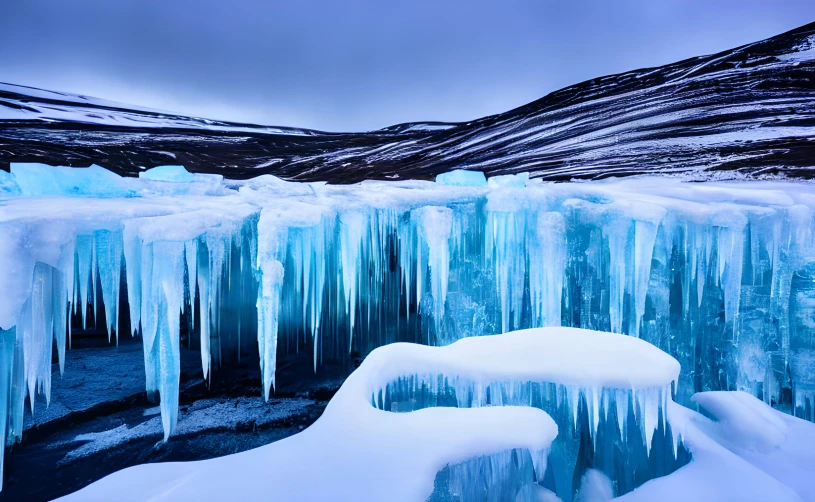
(750, 452)
(364, 453)
(747, 451)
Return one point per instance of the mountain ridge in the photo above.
(745, 112)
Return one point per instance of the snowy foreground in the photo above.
(357, 451)
(720, 275)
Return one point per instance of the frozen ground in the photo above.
(93, 377)
(96, 432)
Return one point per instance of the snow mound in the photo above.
(365, 453)
(747, 452)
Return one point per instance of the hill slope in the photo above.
(747, 111)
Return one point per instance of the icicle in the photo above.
(94, 275)
(319, 272)
(168, 295)
(219, 246)
(645, 234)
(702, 262)
(617, 233)
(62, 299)
(539, 461)
(203, 281)
(406, 245)
(134, 265)
(621, 401)
(191, 255)
(506, 244)
(648, 402)
(36, 328)
(731, 258)
(592, 398)
(84, 253)
(352, 229)
(435, 224)
(7, 343)
(547, 262)
(573, 396)
(271, 247)
(109, 250)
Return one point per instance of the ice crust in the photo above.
(719, 275)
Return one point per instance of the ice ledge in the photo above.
(363, 453)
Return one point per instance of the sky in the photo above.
(360, 65)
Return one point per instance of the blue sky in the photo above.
(359, 65)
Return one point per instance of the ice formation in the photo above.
(504, 451)
(367, 453)
(720, 275)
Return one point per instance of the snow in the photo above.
(774, 442)
(173, 174)
(803, 52)
(204, 414)
(595, 487)
(49, 106)
(509, 180)
(748, 452)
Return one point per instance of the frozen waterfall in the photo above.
(720, 275)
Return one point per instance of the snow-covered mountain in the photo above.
(746, 111)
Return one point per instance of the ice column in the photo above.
(434, 225)
(157, 295)
(271, 248)
(109, 252)
(7, 343)
(547, 262)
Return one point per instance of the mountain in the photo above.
(744, 112)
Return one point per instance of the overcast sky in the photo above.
(359, 65)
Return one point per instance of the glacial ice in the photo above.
(462, 178)
(720, 275)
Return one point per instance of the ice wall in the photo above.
(719, 275)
